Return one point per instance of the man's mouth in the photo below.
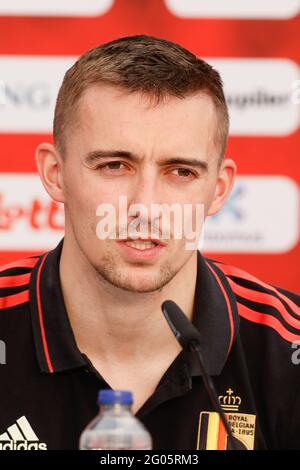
(143, 244)
(141, 249)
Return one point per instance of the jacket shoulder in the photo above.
(263, 303)
(14, 282)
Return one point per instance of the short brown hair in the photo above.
(152, 66)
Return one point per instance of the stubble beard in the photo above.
(110, 271)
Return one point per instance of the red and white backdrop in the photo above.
(254, 44)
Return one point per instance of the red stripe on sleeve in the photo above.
(15, 299)
(23, 263)
(267, 320)
(14, 281)
(232, 271)
(267, 299)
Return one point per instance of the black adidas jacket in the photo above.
(249, 335)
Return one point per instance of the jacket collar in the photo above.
(215, 315)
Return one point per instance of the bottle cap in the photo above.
(111, 397)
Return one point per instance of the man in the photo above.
(142, 118)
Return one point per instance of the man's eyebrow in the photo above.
(185, 161)
(96, 155)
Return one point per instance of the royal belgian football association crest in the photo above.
(212, 434)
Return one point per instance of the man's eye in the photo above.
(111, 166)
(183, 172)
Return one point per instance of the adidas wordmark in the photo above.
(20, 436)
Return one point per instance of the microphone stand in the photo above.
(189, 338)
(209, 386)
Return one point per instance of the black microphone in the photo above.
(189, 338)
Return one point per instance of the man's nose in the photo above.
(146, 190)
(147, 194)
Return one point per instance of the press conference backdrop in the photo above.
(254, 44)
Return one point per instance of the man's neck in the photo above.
(110, 323)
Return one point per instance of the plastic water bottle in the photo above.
(115, 427)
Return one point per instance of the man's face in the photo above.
(166, 156)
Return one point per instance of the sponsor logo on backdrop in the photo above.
(55, 7)
(29, 219)
(29, 89)
(296, 92)
(260, 95)
(234, 8)
(2, 93)
(261, 216)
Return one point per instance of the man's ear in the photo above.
(225, 181)
(49, 165)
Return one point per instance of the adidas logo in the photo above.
(21, 436)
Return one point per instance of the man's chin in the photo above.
(134, 279)
(138, 283)
(138, 286)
